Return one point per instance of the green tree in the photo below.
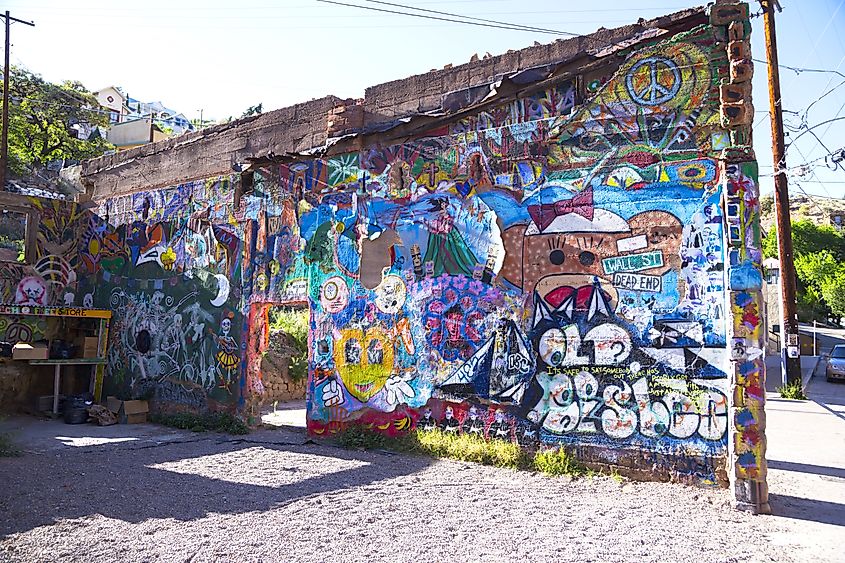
(819, 252)
(833, 292)
(45, 120)
(807, 237)
(814, 268)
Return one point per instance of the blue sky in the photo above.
(222, 56)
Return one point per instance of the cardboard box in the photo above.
(113, 404)
(36, 351)
(134, 412)
(128, 412)
(86, 347)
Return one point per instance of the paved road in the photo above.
(826, 338)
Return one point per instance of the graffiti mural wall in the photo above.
(55, 272)
(576, 263)
(552, 270)
(188, 271)
(46, 268)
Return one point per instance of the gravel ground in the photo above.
(273, 496)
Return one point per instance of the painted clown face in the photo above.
(364, 361)
(334, 294)
(31, 291)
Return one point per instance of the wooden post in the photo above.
(4, 137)
(790, 349)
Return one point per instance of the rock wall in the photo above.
(275, 373)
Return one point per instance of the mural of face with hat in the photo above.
(569, 244)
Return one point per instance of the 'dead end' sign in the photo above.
(637, 282)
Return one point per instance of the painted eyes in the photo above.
(330, 290)
(352, 352)
(586, 258)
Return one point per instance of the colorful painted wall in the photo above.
(578, 265)
(189, 270)
(552, 270)
(54, 271)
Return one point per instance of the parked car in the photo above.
(836, 364)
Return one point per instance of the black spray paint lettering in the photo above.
(637, 282)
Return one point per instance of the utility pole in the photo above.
(4, 142)
(790, 348)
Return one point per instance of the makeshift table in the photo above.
(57, 374)
(100, 316)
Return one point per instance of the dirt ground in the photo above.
(153, 494)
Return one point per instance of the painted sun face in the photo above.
(391, 294)
(364, 361)
(334, 294)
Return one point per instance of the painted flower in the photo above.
(476, 287)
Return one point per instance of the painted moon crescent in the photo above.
(222, 290)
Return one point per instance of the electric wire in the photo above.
(814, 50)
(467, 22)
(527, 28)
(480, 22)
(799, 70)
(813, 171)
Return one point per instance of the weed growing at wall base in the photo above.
(214, 422)
(463, 447)
(556, 462)
(794, 390)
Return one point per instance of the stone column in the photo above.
(746, 331)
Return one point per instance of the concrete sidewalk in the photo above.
(806, 459)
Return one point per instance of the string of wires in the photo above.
(425, 13)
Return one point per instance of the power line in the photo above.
(134, 12)
(525, 27)
(799, 70)
(19, 99)
(826, 122)
(812, 171)
(509, 27)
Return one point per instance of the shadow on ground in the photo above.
(123, 482)
(822, 511)
(837, 472)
